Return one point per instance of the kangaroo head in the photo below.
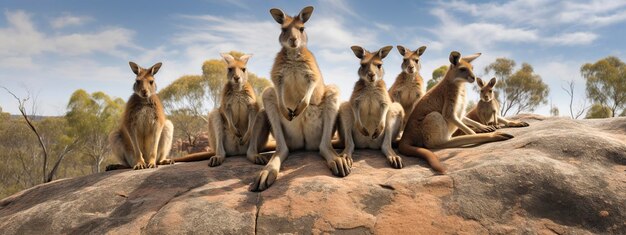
(371, 68)
(411, 59)
(144, 85)
(292, 35)
(237, 73)
(461, 69)
(486, 90)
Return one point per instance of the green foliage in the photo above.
(599, 111)
(91, 117)
(437, 76)
(606, 83)
(523, 89)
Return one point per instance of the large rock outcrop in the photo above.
(558, 176)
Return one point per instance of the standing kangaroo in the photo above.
(302, 110)
(440, 112)
(238, 126)
(370, 119)
(409, 85)
(145, 136)
(487, 109)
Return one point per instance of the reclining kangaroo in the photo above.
(145, 136)
(440, 112)
(302, 110)
(487, 109)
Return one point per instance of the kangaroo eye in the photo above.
(463, 69)
(230, 70)
(301, 29)
(151, 82)
(284, 30)
(243, 70)
(379, 66)
(417, 60)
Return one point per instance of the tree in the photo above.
(599, 111)
(523, 90)
(45, 141)
(91, 117)
(554, 111)
(437, 75)
(570, 92)
(606, 83)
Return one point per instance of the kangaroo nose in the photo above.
(370, 74)
(236, 78)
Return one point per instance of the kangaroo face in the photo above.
(411, 59)
(371, 69)
(461, 68)
(144, 85)
(293, 35)
(237, 72)
(486, 90)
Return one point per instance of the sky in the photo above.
(52, 48)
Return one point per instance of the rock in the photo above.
(557, 176)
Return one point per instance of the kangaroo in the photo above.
(487, 109)
(302, 110)
(409, 85)
(145, 136)
(440, 112)
(370, 110)
(238, 126)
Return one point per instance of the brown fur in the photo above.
(487, 110)
(370, 120)
(409, 85)
(143, 123)
(301, 109)
(440, 112)
(238, 125)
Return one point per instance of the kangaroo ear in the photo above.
(455, 57)
(155, 68)
(244, 58)
(402, 49)
(471, 58)
(383, 52)
(278, 14)
(136, 69)
(305, 14)
(420, 50)
(359, 52)
(492, 82)
(480, 82)
(228, 58)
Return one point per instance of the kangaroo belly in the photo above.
(370, 111)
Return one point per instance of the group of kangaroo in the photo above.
(303, 113)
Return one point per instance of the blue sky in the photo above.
(53, 48)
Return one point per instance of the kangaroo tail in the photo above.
(426, 154)
(194, 157)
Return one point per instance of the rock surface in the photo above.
(558, 176)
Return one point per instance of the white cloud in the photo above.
(68, 20)
(20, 41)
(577, 38)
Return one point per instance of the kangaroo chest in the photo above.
(240, 104)
(409, 92)
(486, 111)
(459, 108)
(144, 119)
(370, 101)
(296, 77)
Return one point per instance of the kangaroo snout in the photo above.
(236, 78)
